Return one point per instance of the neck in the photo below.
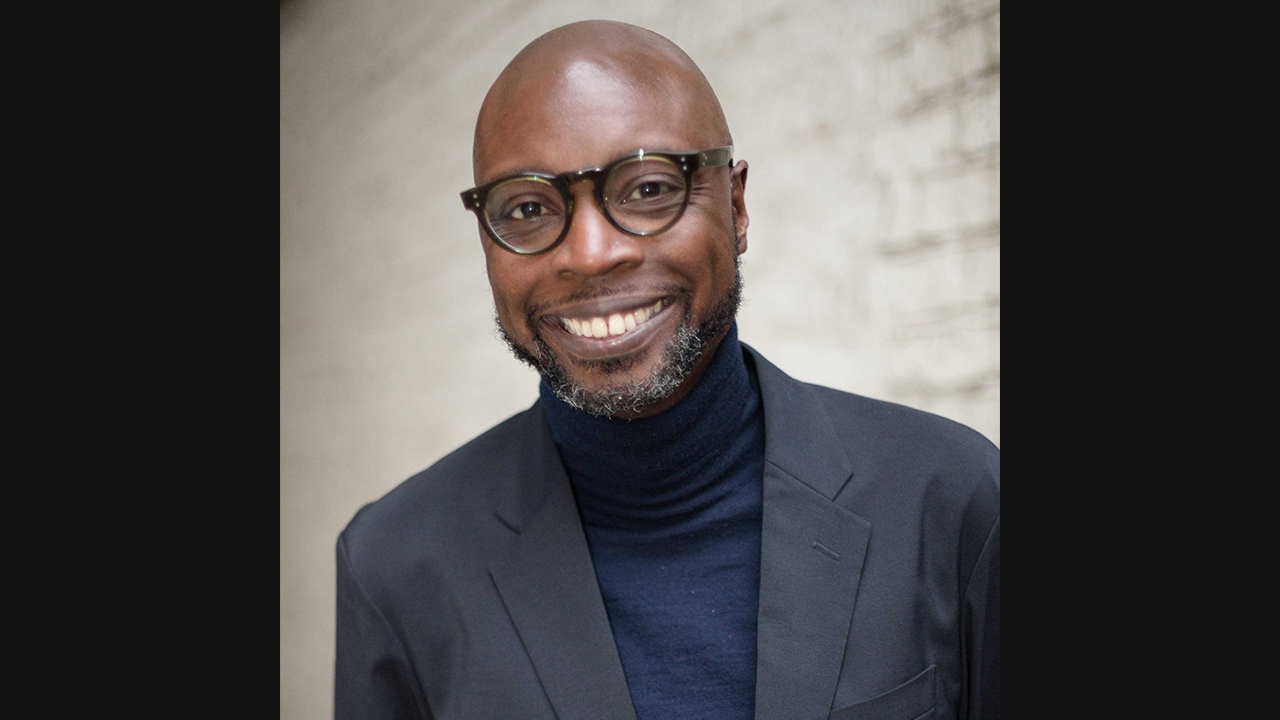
(659, 464)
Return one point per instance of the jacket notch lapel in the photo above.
(812, 552)
(549, 588)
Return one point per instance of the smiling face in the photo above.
(618, 324)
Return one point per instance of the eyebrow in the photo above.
(518, 171)
(539, 171)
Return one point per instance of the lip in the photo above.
(607, 348)
(604, 307)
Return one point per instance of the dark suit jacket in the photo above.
(468, 591)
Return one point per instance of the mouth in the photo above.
(613, 325)
(612, 328)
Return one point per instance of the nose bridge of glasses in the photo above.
(583, 174)
(595, 175)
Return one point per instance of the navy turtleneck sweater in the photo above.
(671, 506)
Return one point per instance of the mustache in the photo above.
(598, 289)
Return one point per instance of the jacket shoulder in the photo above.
(920, 464)
(876, 435)
(439, 511)
(910, 437)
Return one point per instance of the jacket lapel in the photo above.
(812, 552)
(549, 588)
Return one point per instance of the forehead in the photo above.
(584, 114)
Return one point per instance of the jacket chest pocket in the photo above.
(912, 700)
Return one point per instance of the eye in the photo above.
(651, 190)
(525, 210)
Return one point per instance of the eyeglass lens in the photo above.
(643, 195)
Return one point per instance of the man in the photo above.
(676, 529)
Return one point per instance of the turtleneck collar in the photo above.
(663, 469)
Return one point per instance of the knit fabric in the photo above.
(671, 506)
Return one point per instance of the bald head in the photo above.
(596, 74)
(590, 95)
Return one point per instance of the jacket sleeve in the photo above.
(373, 678)
(981, 633)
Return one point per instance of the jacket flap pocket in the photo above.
(909, 700)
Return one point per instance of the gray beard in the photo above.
(679, 357)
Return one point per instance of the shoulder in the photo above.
(919, 471)
(876, 435)
(443, 510)
(906, 467)
(910, 438)
(924, 481)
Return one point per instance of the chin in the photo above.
(631, 384)
(628, 385)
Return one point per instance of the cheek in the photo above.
(708, 259)
(510, 294)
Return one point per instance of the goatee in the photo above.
(679, 357)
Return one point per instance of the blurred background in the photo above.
(872, 129)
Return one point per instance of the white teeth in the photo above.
(615, 324)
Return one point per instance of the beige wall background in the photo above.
(873, 133)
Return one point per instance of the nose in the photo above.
(593, 246)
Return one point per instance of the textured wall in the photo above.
(873, 134)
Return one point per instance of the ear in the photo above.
(737, 191)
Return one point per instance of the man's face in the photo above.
(677, 287)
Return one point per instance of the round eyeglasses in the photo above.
(641, 194)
